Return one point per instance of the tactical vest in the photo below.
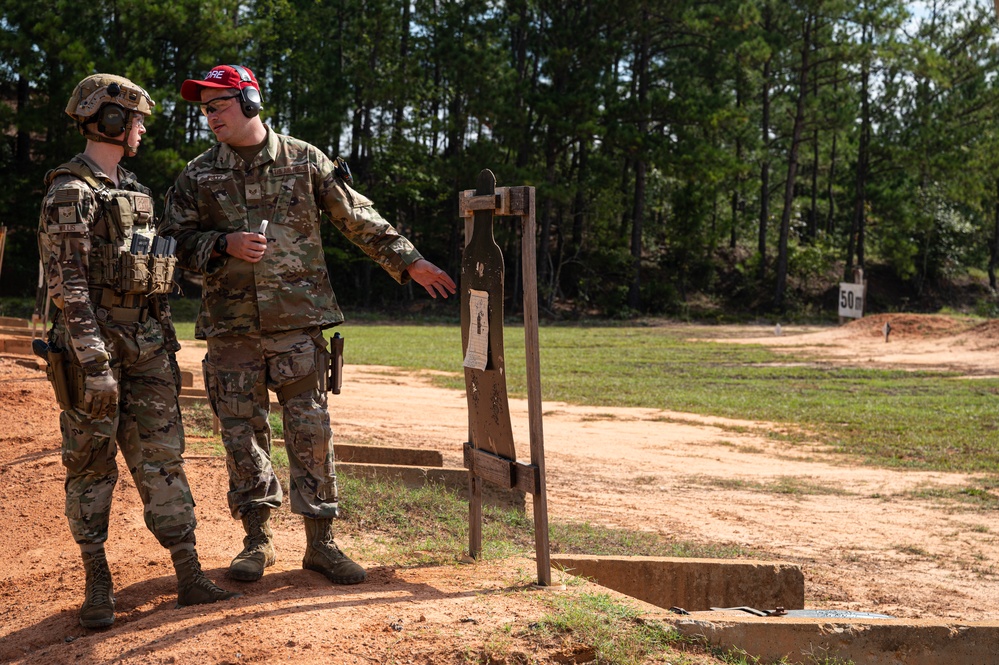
(126, 257)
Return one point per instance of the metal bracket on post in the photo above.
(484, 465)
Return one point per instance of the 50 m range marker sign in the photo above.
(851, 300)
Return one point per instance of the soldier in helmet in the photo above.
(111, 347)
(267, 299)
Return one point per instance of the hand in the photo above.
(249, 247)
(100, 395)
(432, 278)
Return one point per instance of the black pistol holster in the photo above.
(67, 378)
(334, 379)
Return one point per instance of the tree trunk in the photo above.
(855, 244)
(813, 212)
(405, 29)
(792, 166)
(994, 254)
(634, 290)
(737, 193)
(638, 207)
(22, 152)
(761, 244)
(829, 187)
(579, 203)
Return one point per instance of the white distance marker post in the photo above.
(851, 300)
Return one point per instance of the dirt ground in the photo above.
(868, 547)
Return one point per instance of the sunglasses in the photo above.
(218, 105)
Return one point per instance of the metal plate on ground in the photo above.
(835, 614)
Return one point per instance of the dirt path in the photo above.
(861, 543)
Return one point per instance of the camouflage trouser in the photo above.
(239, 370)
(147, 428)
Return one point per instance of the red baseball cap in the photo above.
(223, 76)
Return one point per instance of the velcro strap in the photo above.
(109, 298)
(307, 383)
(123, 315)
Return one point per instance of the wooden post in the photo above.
(3, 243)
(532, 354)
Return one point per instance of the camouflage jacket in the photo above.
(72, 224)
(291, 184)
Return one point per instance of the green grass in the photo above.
(982, 494)
(927, 420)
(614, 631)
(790, 485)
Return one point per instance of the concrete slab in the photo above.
(368, 454)
(14, 322)
(867, 641)
(31, 362)
(451, 478)
(692, 584)
(17, 331)
(20, 346)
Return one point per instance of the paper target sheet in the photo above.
(477, 352)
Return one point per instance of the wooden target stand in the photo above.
(489, 452)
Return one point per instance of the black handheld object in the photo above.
(342, 171)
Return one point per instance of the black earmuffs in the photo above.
(249, 97)
(112, 120)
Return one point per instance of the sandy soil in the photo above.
(865, 546)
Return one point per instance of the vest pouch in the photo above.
(142, 208)
(133, 272)
(161, 274)
(122, 215)
(104, 266)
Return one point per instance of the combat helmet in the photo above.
(109, 101)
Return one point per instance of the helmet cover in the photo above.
(96, 90)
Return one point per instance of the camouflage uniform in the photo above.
(263, 321)
(98, 328)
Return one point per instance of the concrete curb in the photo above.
(866, 641)
(692, 584)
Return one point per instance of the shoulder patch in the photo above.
(67, 214)
(66, 195)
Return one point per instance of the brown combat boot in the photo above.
(258, 546)
(97, 610)
(193, 588)
(323, 556)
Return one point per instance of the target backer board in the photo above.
(482, 333)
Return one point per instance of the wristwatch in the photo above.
(221, 244)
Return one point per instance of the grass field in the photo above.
(928, 420)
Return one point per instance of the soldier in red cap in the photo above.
(246, 215)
